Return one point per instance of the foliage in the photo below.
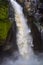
(5, 24)
(4, 28)
(3, 12)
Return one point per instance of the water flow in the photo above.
(23, 37)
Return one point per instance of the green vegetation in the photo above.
(4, 28)
(3, 13)
(5, 24)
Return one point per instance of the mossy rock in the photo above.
(4, 7)
(3, 13)
(4, 28)
(5, 24)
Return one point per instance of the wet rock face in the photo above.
(41, 1)
(11, 12)
(20, 1)
(11, 38)
(10, 41)
(27, 7)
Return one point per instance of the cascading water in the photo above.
(23, 37)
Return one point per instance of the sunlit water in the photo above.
(25, 56)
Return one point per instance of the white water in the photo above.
(23, 37)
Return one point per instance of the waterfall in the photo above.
(23, 31)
